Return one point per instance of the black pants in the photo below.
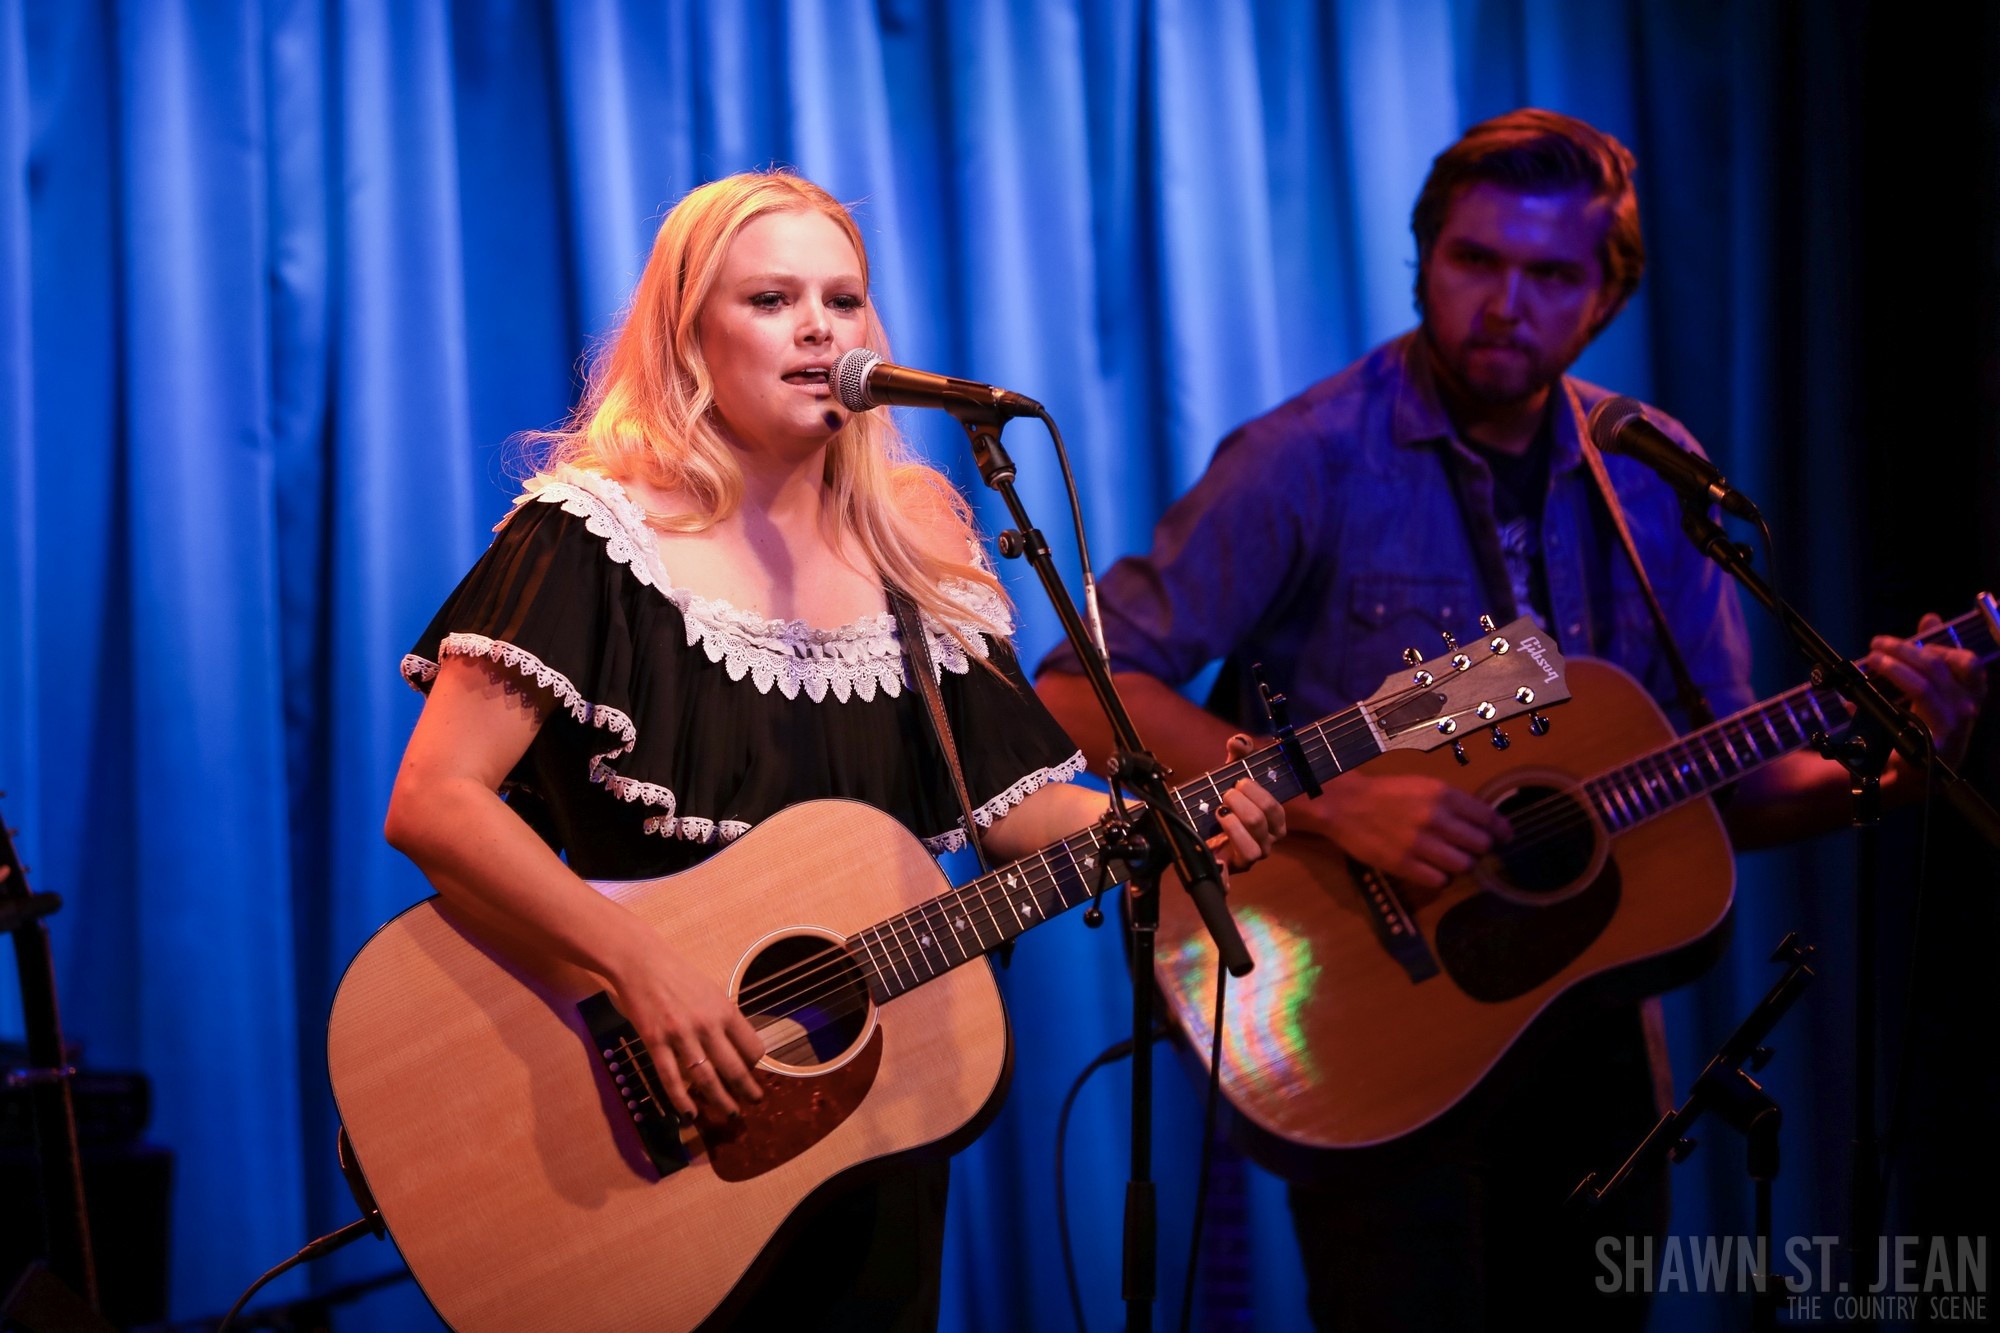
(867, 1260)
(1465, 1226)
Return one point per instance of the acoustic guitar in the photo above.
(508, 1120)
(1377, 1006)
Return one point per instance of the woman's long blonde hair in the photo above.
(648, 410)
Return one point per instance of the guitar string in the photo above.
(1561, 814)
(1546, 818)
(1639, 789)
(837, 965)
(848, 994)
(1543, 820)
(1323, 736)
(982, 893)
(991, 886)
(1038, 880)
(806, 979)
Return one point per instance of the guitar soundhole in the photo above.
(1555, 841)
(807, 998)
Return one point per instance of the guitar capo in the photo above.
(1278, 710)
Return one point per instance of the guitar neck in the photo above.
(1720, 753)
(930, 939)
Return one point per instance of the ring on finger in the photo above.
(689, 1069)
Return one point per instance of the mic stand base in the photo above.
(1724, 1088)
(39, 1302)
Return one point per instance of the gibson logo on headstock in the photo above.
(1533, 646)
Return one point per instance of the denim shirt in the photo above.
(1350, 523)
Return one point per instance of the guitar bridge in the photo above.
(1395, 929)
(629, 1065)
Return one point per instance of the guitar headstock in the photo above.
(1454, 697)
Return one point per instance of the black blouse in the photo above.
(684, 721)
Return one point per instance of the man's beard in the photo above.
(1531, 372)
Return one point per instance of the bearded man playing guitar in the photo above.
(1443, 473)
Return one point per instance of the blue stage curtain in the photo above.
(279, 280)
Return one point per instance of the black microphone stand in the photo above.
(60, 1293)
(1879, 726)
(1163, 837)
(1724, 1088)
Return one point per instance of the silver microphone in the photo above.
(863, 380)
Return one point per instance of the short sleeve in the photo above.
(544, 604)
(1009, 744)
(682, 722)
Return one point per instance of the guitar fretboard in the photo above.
(1724, 751)
(926, 941)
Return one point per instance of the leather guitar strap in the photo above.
(1693, 703)
(1652, 1019)
(917, 647)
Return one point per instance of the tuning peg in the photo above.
(1500, 741)
(1485, 710)
(1424, 680)
(1537, 725)
(1761, 1056)
(1486, 625)
(1450, 643)
(1411, 657)
(1524, 695)
(1458, 752)
(1447, 725)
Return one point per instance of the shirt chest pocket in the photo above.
(1388, 612)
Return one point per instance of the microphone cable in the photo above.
(1091, 616)
(1208, 1119)
(1112, 1054)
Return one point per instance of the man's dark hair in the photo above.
(1538, 151)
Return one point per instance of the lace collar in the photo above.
(853, 660)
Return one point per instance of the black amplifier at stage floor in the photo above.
(128, 1185)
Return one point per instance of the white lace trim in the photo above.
(691, 828)
(667, 824)
(954, 840)
(524, 663)
(849, 661)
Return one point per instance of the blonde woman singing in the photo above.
(682, 628)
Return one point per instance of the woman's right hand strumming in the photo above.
(702, 1044)
(447, 816)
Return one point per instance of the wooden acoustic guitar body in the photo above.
(1376, 1006)
(505, 1162)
